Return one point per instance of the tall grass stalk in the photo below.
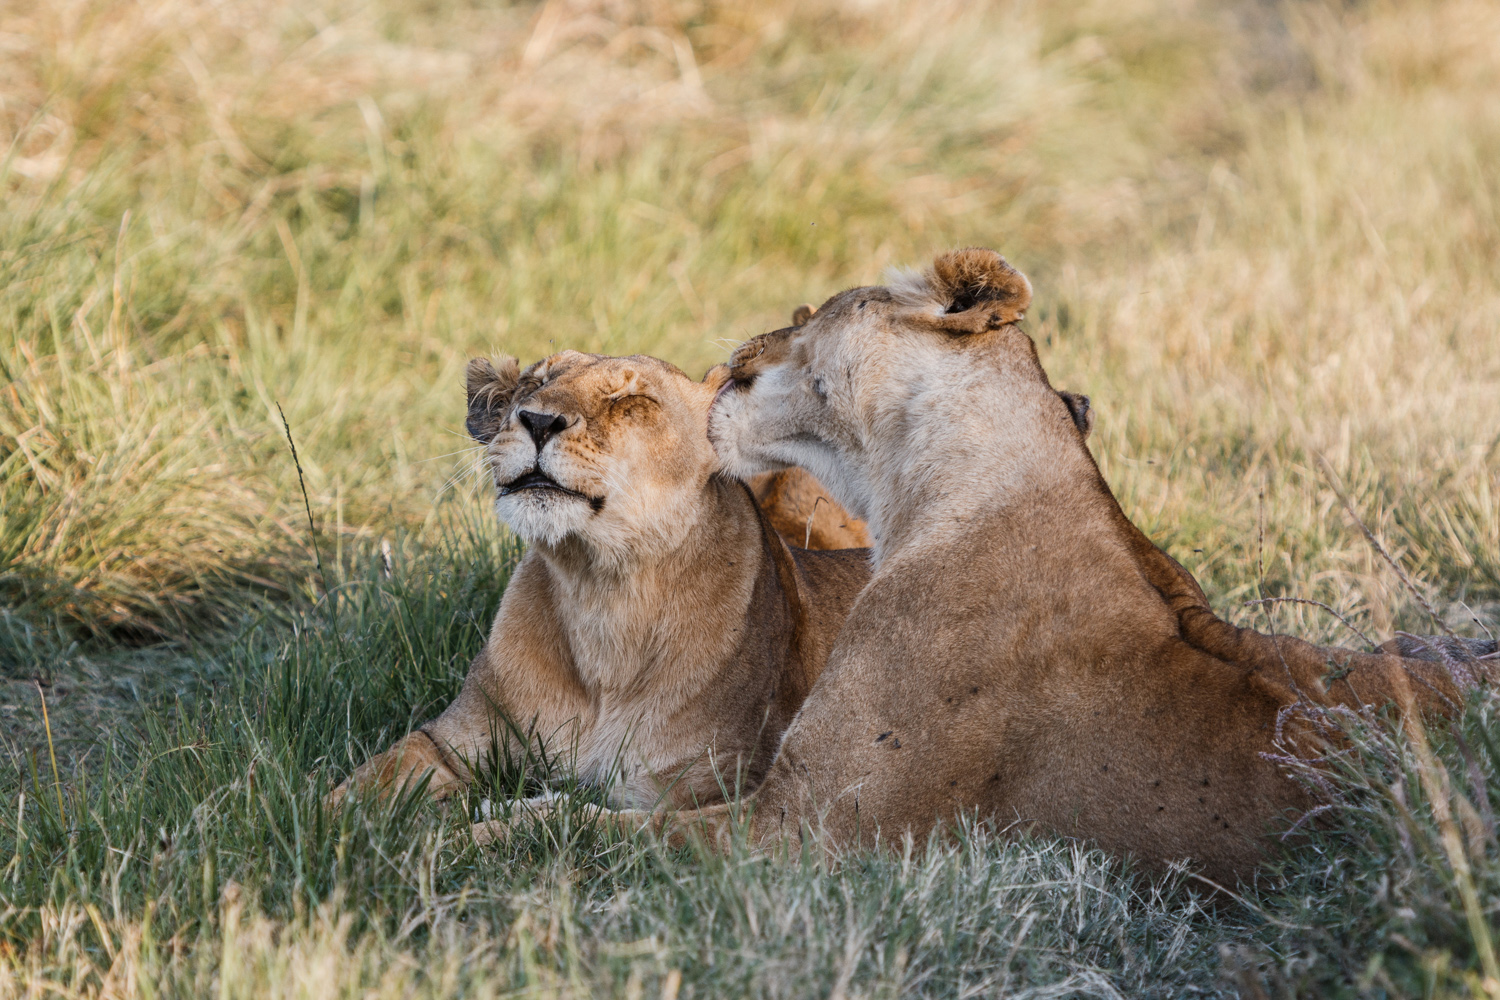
(1256, 238)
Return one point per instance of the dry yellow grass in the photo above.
(1255, 237)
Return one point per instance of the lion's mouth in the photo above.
(536, 479)
(732, 384)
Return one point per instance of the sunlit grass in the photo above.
(1263, 240)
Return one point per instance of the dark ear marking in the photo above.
(803, 313)
(1080, 409)
(489, 388)
(979, 281)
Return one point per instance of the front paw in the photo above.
(491, 831)
(406, 765)
(334, 800)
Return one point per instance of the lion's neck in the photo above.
(966, 457)
(657, 622)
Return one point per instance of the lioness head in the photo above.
(607, 451)
(880, 368)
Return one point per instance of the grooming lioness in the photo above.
(656, 629)
(1022, 649)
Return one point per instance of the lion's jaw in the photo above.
(619, 467)
(539, 514)
(774, 412)
(755, 431)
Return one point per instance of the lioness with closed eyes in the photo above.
(657, 626)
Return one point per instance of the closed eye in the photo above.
(634, 401)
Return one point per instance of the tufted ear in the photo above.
(1081, 410)
(803, 313)
(489, 389)
(715, 377)
(978, 289)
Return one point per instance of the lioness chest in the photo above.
(661, 682)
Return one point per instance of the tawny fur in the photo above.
(1022, 650)
(657, 635)
(796, 504)
(803, 513)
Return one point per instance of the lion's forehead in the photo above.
(795, 346)
(759, 352)
(851, 301)
(588, 383)
(851, 330)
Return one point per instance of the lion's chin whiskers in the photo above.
(544, 517)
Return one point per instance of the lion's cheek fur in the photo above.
(728, 421)
(775, 425)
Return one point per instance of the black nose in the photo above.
(542, 426)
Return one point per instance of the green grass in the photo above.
(1263, 239)
(195, 857)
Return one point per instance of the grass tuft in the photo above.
(196, 857)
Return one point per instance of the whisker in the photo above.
(434, 458)
(464, 471)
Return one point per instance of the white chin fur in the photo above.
(543, 518)
(724, 423)
(741, 466)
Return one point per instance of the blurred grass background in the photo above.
(1256, 232)
(1263, 238)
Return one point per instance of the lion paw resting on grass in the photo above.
(657, 625)
(1022, 649)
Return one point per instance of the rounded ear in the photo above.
(803, 313)
(978, 289)
(489, 388)
(1081, 410)
(715, 377)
